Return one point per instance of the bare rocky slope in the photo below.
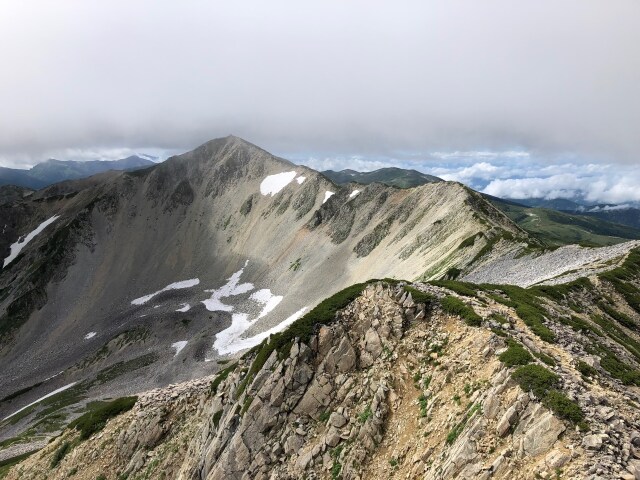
(135, 280)
(396, 380)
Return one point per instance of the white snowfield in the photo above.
(230, 340)
(231, 288)
(174, 286)
(17, 247)
(300, 179)
(61, 389)
(266, 298)
(354, 193)
(274, 183)
(90, 335)
(184, 308)
(179, 346)
(327, 196)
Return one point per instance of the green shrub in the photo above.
(453, 273)
(419, 296)
(543, 384)
(527, 306)
(563, 407)
(60, 453)
(221, 377)
(455, 306)
(620, 317)
(535, 378)
(516, 354)
(548, 359)
(586, 369)
(469, 241)
(99, 413)
(616, 368)
(216, 418)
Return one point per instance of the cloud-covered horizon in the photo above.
(371, 77)
(509, 174)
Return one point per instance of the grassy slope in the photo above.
(557, 228)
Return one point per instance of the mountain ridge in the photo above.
(53, 171)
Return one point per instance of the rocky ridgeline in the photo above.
(390, 389)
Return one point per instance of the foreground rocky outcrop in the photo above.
(391, 388)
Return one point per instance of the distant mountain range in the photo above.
(395, 177)
(54, 171)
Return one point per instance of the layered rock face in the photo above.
(390, 388)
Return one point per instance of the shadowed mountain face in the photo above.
(395, 177)
(137, 279)
(54, 171)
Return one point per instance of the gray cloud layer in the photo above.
(330, 76)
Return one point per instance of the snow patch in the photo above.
(61, 389)
(17, 247)
(327, 196)
(90, 335)
(300, 179)
(231, 288)
(267, 299)
(185, 308)
(354, 193)
(229, 341)
(174, 286)
(179, 346)
(274, 183)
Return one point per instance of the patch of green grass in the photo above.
(336, 467)
(455, 432)
(99, 414)
(515, 354)
(295, 265)
(365, 415)
(455, 306)
(324, 416)
(423, 402)
(461, 288)
(216, 418)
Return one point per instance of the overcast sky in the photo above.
(328, 81)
